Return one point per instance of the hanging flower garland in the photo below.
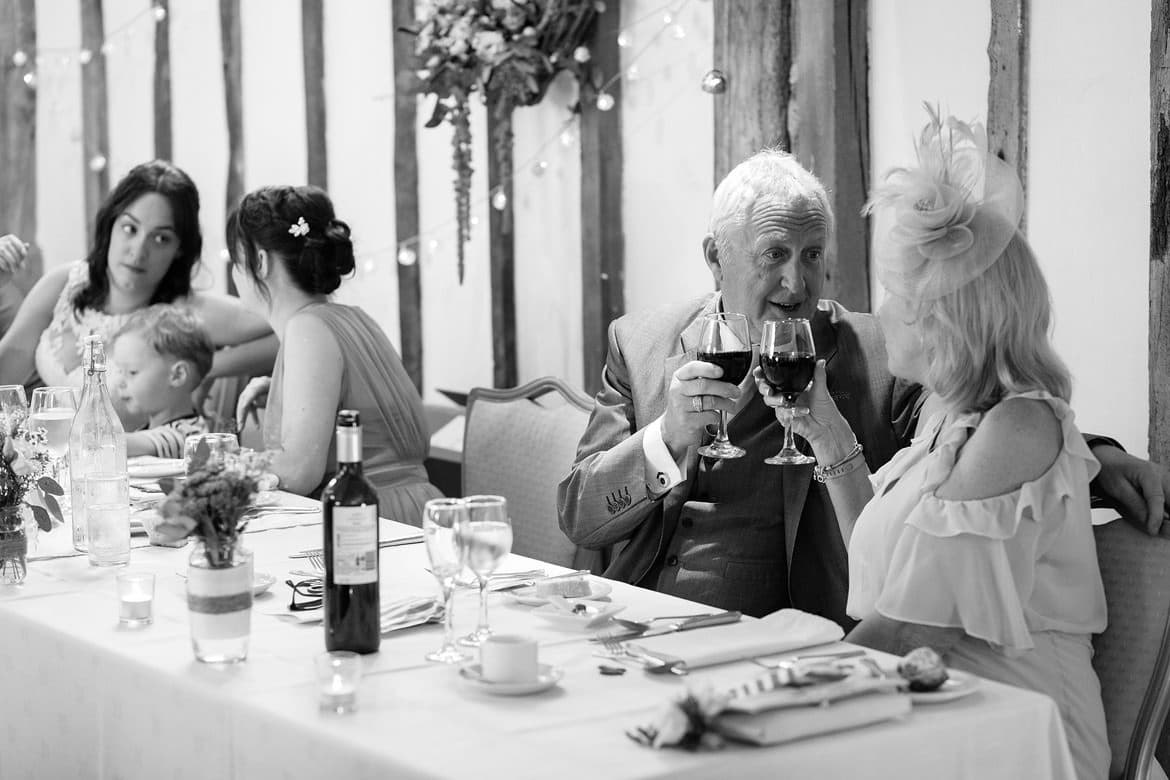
(507, 50)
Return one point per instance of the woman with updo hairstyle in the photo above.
(289, 253)
(145, 249)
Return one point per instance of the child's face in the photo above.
(143, 381)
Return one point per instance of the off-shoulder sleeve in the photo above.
(972, 564)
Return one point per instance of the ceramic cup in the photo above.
(508, 658)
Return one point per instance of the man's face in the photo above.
(774, 268)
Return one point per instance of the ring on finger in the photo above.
(697, 402)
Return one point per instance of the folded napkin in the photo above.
(788, 629)
(773, 726)
(398, 614)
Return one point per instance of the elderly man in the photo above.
(737, 533)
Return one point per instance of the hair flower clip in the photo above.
(300, 228)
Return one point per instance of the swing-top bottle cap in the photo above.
(95, 352)
(348, 418)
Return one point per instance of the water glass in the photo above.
(218, 445)
(338, 675)
(484, 538)
(13, 406)
(441, 520)
(135, 598)
(107, 511)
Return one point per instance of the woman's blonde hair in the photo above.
(991, 336)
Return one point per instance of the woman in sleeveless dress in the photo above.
(289, 253)
(976, 539)
(146, 245)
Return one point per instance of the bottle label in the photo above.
(355, 545)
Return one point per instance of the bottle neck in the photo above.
(349, 447)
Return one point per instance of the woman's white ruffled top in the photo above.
(1000, 568)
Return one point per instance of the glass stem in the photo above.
(448, 608)
(789, 442)
(483, 619)
(721, 436)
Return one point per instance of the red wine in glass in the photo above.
(789, 372)
(735, 365)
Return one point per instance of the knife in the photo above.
(702, 621)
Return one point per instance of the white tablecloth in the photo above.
(82, 697)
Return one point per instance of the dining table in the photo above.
(82, 696)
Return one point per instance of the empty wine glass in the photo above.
(485, 537)
(726, 343)
(14, 407)
(442, 518)
(788, 360)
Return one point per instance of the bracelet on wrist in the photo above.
(841, 467)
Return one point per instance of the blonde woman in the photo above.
(976, 538)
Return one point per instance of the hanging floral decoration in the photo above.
(507, 50)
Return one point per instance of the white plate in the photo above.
(958, 685)
(596, 614)
(261, 582)
(527, 595)
(153, 468)
(547, 676)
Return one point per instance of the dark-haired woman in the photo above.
(289, 252)
(145, 246)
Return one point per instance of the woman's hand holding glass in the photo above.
(442, 518)
(484, 538)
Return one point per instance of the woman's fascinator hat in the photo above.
(941, 224)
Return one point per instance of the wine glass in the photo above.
(484, 538)
(442, 518)
(14, 407)
(788, 360)
(52, 410)
(726, 343)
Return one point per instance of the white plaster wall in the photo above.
(667, 140)
(1088, 176)
(1089, 206)
(60, 196)
(130, 80)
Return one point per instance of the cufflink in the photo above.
(662, 480)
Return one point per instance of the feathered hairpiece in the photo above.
(941, 224)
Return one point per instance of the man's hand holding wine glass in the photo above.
(696, 396)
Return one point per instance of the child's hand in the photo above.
(252, 397)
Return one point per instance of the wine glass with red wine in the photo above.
(788, 360)
(726, 343)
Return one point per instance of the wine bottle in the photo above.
(97, 440)
(349, 508)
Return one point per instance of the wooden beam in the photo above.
(828, 124)
(406, 188)
(313, 45)
(1159, 359)
(501, 239)
(1007, 89)
(753, 50)
(163, 136)
(18, 120)
(233, 92)
(95, 129)
(602, 236)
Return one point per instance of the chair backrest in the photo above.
(520, 443)
(1132, 656)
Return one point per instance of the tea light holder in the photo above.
(338, 675)
(135, 599)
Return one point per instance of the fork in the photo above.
(317, 561)
(620, 652)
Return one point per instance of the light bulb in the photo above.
(604, 101)
(97, 163)
(160, 13)
(30, 80)
(714, 82)
(539, 167)
(473, 221)
(625, 39)
(632, 73)
(433, 245)
(677, 32)
(667, 19)
(107, 48)
(368, 266)
(407, 256)
(84, 56)
(567, 137)
(19, 58)
(499, 200)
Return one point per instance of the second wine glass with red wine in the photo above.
(726, 343)
(788, 360)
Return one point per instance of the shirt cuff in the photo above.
(663, 472)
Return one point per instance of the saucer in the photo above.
(547, 676)
(958, 685)
(149, 467)
(595, 614)
(261, 582)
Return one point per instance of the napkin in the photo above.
(788, 629)
(771, 727)
(398, 614)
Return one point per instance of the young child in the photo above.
(162, 354)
